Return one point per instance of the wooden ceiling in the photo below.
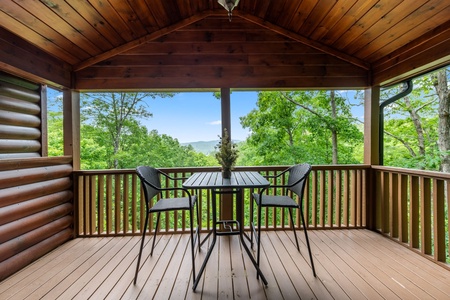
(191, 44)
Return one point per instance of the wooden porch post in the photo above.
(226, 204)
(371, 125)
(71, 119)
(371, 148)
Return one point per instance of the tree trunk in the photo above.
(334, 138)
(417, 125)
(441, 87)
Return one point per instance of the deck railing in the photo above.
(408, 206)
(412, 207)
(109, 201)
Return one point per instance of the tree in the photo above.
(417, 126)
(273, 125)
(440, 83)
(115, 114)
(292, 127)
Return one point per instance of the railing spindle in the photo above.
(425, 214)
(439, 220)
(330, 188)
(314, 199)
(108, 204)
(403, 208)
(346, 199)
(393, 205)
(338, 193)
(414, 207)
(101, 204)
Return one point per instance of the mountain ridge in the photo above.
(205, 147)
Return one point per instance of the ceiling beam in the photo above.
(302, 39)
(135, 43)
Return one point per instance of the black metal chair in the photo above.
(151, 184)
(298, 175)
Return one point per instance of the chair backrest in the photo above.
(150, 182)
(298, 175)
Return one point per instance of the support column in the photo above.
(371, 150)
(226, 203)
(371, 125)
(225, 110)
(71, 126)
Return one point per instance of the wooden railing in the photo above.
(412, 207)
(109, 201)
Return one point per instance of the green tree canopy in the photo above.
(293, 127)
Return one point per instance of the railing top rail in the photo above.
(404, 171)
(215, 169)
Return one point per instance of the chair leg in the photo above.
(154, 235)
(252, 226)
(140, 250)
(198, 228)
(293, 228)
(307, 242)
(192, 243)
(258, 240)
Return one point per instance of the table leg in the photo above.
(214, 233)
(240, 218)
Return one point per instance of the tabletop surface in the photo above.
(212, 180)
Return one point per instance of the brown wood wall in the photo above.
(214, 53)
(35, 192)
(28, 61)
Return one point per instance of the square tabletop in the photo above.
(214, 180)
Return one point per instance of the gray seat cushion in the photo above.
(277, 201)
(173, 204)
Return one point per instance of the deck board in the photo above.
(350, 264)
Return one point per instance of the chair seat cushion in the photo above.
(277, 201)
(167, 204)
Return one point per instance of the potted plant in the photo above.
(226, 154)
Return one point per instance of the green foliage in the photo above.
(411, 128)
(294, 127)
(113, 137)
(114, 116)
(55, 134)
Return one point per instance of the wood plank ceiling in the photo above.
(190, 44)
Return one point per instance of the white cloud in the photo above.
(218, 122)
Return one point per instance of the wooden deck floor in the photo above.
(350, 264)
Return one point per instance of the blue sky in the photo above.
(195, 116)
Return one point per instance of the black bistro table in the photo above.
(233, 185)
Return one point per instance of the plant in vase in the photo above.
(226, 154)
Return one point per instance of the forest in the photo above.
(287, 127)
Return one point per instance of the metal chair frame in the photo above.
(151, 183)
(298, 176)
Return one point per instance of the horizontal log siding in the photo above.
(36, 210)
(412, 207)
(20, 118)
(109, 201)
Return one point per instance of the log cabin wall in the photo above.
(35, 192)
(20, 118)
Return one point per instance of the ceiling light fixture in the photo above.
(228, 5)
